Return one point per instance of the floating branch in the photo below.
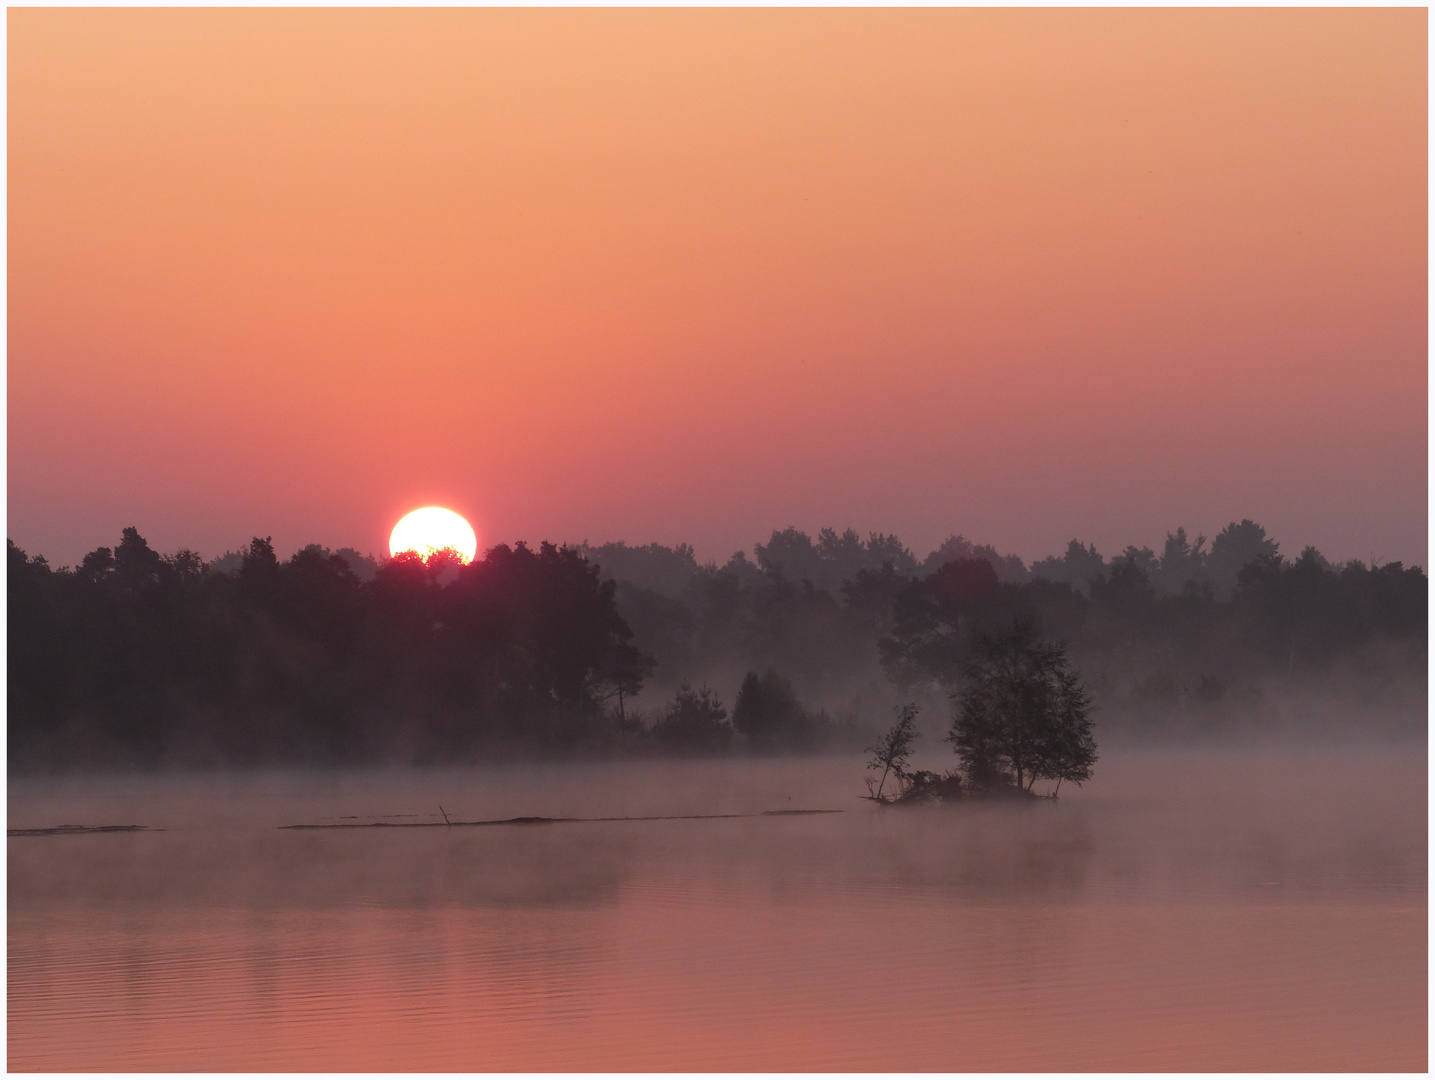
(552, 820)
(71, 830)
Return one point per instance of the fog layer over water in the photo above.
(1204, 909)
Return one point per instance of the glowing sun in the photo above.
(432, 529)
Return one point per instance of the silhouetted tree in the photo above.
(97, 565)
(136, 563)
(934, 618)
(664, 570)
(622, 672)
(1022, 713)
(1233, 547)
(694, 722)
(1077, 566)
(1123, 605)
(767, 709)
(881, 550)
(666, 626)
(1140, 558)
(833, 559)
(1181, 562)
(791, 555)
(893, 750)
(1008, 568)
(870, 596)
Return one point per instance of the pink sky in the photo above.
(695, 275)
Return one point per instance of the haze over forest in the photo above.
(808, 645)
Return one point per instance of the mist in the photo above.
(138, 659)
(605, 807)
(1285, 885)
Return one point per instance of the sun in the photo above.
(432, 529)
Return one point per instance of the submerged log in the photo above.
(73, 830)
(546, 820)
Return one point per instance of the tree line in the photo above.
(138, 656)
(1201, 634)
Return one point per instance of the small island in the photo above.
(1021, 714)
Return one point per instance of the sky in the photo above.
(695, 275)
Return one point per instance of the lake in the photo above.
(1194, 910)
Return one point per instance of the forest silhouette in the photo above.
(135, 658)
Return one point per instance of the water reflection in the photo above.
(1187, 912)
(273, 870)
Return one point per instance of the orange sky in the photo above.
(695, 275)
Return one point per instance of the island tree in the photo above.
(891, 752)
(1021, 713)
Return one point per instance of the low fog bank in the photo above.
(137, 660)
(1230, 642)
(1272, 824)
(1282, 715)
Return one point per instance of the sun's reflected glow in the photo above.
(431, 529)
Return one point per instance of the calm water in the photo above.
(1188, 911)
